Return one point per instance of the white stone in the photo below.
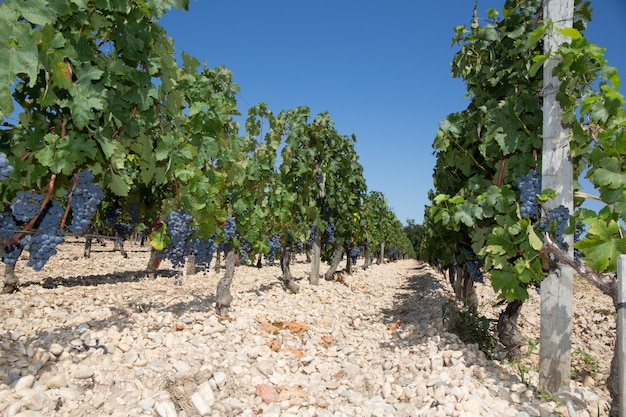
(83, 372)
(24, 382)
(165, 409)
(56, 381)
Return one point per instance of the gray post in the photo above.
(557, 174)
(620, 345)
(316, 254)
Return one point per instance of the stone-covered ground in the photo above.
(94, 337)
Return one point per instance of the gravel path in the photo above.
(89, 337)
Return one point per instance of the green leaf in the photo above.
(118, 184)
(37, 12)
(538, 62)
(18, 55)
(506, 283)
(570, 32)
(606, 178)
(159, 239)
(533, 239)
(602, 245)
(535, 36)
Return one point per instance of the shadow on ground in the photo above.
(417, 307)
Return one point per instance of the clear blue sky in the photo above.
(381, 68)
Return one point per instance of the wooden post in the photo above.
(316, 255)
(557, 174)
(620, 345)
(190, 265)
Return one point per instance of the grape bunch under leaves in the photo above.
(133, 210)
(48, 235)
(274, 243)
(312, 231)
(8, 228)
(5, 167)
(122, 231)
(112, 214)
(26, 206)
(230, 228)
(86, 198)
(330, 233)
(557, 221)
(179, 230)
(473, 266)
(244, 248)
(529, 186)
(354, 254)
(203, 251)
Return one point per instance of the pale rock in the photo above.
(83, 372)
(181, 367)
(130, 357)
(220, 379)
(29, 413)
(165, 409)
(24, 382)
(34, 400)
(56, 381)
(68, 394)
(13, 409)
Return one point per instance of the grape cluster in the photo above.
(558, 219)
(299, 246)
(330, 232)
(26, 206)
(274, 243)
(112, 214)
(473, 265)
(42, 245)
(203, 250)
(354, 254)
(8, 228)
(11, 253)
(133, 210)
(474, 271)
(122, 231)
(244, 248)
(5, 167)
(529, 186)
(312, 231)
(86, 198)
(230, 228)
(578, 234)
(179, 231)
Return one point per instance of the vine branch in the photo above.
(604, 282)
(15, 238)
